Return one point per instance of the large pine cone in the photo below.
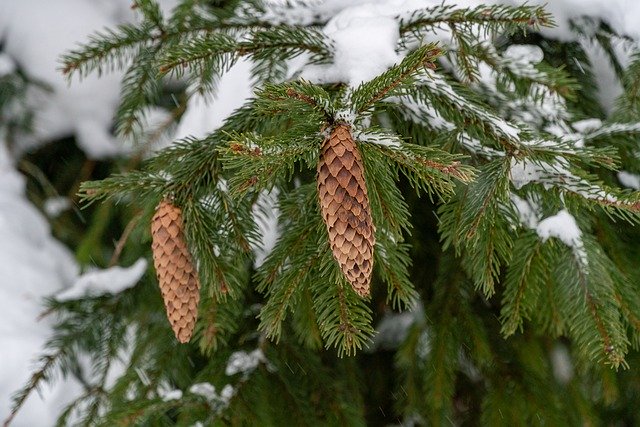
(345, 207)
(177, 276)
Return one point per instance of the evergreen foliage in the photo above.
(465, 173)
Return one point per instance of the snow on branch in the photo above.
(494, 17)
(438, 86)
(556, 174)
(100, 282)
(563, 226)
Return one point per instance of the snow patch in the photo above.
(561, 364)
(438, 85)
(217, 401)
(527, 210)
(421, 113)
(391, 141)
(266, 213)
(168, 395)
(227, 393)
(364, 35)
(206, 390)
(243, 362)
(35, 34)
(7, 66)
(393, 328)
(563, 226)
(587, 125)
(523, 172)
(364, 43)
(524, 53)
(206, 113)
(556, 174)
(629, 180)
(33, 266)
(54, 206)
(100, 282)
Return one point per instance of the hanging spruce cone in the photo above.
(177, 276)
(345, 207)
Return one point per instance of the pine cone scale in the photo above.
(177, 277)
(345, 207)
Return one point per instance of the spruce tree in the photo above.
(458, 202)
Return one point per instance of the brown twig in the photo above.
(123, 239)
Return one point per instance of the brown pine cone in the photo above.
(177, 276)
(345, 207)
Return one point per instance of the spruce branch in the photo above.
(392, 258)
(465, 60)
(473, 221)
(277, 279)
(283, 295)
(261, 163)
(219, 319)
(390, 213)
(556, 80)
(140, 89)
(108, 50)
(289, 98)
(428, 169)
(394, 79)
(458, 106)
(200, 54)
(48, 364)
(525, 277)
(151, 12)
(604, 316)
(344, 317)
(218, 51)
(631, 317)
(492, 18)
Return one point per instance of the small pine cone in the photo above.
(345, 207)
(177, 276)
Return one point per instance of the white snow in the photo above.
(421, 113)
(587, 125)
(243, 362)
(227, 393)
(33, 265)
(394, 327)
(206, 113)
(217, 401)
(169, 394)
(108, 281)
(629, 180)
(206, 390)
(54, 206)
(527, 210)
(523, 172)
(36, 33)
(611, 129)
(365, 46)
(438, 85)
(266, 213)
(365, 36)
(7, 66)
(390, 140)
(524, 54)
(563, 226)
(556, 174)
(561, 363)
